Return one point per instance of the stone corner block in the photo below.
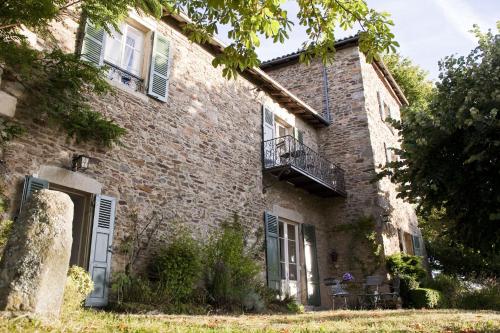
(35, 262)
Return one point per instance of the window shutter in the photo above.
(417, 246)
(387, 154)
(299, 135)
(32, 184)
(268, 124)
(272, 252)
(100, 250)
(380, 105)
(311, 261)
(159, 67)
(93, 44)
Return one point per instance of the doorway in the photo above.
(289, 258)
(82, 225)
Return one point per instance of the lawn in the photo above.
(326, 321)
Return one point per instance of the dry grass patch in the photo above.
(326, 321)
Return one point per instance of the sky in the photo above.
(427, 30)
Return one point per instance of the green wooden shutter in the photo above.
(311, 261)
(32, 184)
(417, 246)
(100, 249)
(93, 44)
(159, 68)
(272, 252)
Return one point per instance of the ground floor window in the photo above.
(289, 261)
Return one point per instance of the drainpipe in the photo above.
(326, 105)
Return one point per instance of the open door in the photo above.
(311, 260)
(100, 250)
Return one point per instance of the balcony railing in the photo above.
(133, 81)
(300, 165)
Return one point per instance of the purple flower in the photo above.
(347, 277)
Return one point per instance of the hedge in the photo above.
(424, 298)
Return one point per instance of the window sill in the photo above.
(117, 84)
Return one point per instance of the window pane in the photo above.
(292, 256)
(280, 231)
(293, 272)
(112, 53)
(282, 249)
(283, 271)
(291, 231)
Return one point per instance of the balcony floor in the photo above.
(301, 179)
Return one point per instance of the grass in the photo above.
(326, 321)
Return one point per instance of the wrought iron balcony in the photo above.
(292, 161)
(118, 74)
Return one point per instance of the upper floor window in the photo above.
(125, 49)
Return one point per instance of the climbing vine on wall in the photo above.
(365, 244)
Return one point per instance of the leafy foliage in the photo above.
(79, 285)
(231, 270)
(450, 152)
(409, 270)
(412, 79)
(177, 268)
(425, 298)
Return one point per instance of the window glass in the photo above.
(125, 49)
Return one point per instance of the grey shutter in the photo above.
(100, 250)
(417, 246)
(311, 261)
(32, 184)
(93, 44)
(268, 124)
(272, 252)
(159, 74)
(380, 105)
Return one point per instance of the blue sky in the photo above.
(427, 30)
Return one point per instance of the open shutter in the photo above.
(268, 124)
(417, 246)
(272, 252)
(311, 261)
(32, 184)
(93, 44)
(100, 251)
(159, 68)
(299, 135)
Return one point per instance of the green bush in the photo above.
(451, 288)
(231, 270)
(128, 288)
(424, 298)
(485, 298)
(405, 264)
(177, 269)
(79, 285)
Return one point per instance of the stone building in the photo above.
(291, 149)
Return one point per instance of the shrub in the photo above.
(79, 285)
(485, 298)
(424, 298)
(231, 271)
(5, 228)
(133, 289)
(451, 288)
(177, 269)
(405, 264)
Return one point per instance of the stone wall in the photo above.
(196, 157)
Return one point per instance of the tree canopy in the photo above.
(450, 152)
(59, 83)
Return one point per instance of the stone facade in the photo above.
(198, 156)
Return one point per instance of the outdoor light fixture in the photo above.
(80, 162)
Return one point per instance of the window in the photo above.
(124, 52)
(387, 112)
(125, 49)
(282, 129)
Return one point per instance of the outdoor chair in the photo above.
(392, 299)
(370, 297)
(337, 291)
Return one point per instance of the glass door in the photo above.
(289, 259)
